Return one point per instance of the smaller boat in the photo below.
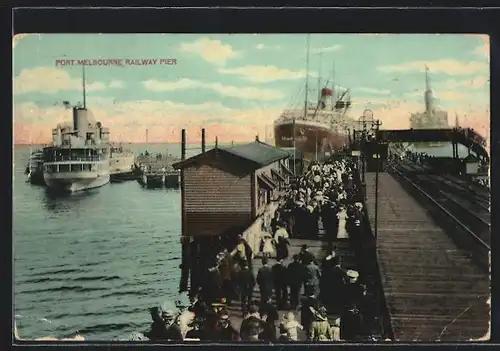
(121, 164)
(34, 170)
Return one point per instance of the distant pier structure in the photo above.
(223, 192)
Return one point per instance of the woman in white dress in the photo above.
(342, 216)
(268, 245)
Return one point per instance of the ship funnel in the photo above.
(429, 95)
(326, 95)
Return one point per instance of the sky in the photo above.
(236, 85)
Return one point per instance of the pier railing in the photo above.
(370, 255)
(253, 234)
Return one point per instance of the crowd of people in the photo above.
(328, 195)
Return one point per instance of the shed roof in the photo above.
(293, 151)
(260, 154)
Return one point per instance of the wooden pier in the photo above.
(157, 171)
(433, 289)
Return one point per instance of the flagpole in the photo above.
(294, 152)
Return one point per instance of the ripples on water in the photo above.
(92, 262)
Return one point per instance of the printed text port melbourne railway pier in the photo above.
(117, 62)
(267, 188)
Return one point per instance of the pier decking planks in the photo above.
(433, 289)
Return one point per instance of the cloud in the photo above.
(331, 48)
(373, 90)
(262, 46)
(211, 50)
(477, 82)
(451, 67)
(483, 51)
(51, 80)
(226, 90)
(128, 120)
(262, 74)
(18, 37)
(116, 84)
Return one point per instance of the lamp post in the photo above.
(377, 147)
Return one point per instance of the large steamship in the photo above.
(79, 157)
(432, 117)
(320, 127)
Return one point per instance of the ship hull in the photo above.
(313, 139)
(74, 183)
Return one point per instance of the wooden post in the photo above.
(203, 141)
(185, 266)
(216, 142)
(183, 145)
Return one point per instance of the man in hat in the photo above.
(211, 328)
(244, 250)
(280, 284)
(196, 329)
(252, 325)
(173, 329)
(306, 314)
(351, 323)
(227, 331)
(352, 288)
(265, 280)
(295, 278)
(325, 284)
(337, 278)
(225, 268)
(246, 284)
(159, 330)
(269, 313)
(320, 328)
(212, 288)
(312, 276)
(306, 256)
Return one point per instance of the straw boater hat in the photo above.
(353, 275)
(320, 314)
(330, 256)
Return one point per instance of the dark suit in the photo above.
(265, 280)
(280, 284)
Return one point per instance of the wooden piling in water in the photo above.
(203, 141)
(185, 242)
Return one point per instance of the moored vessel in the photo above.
(319, 128)
(432, 117)
(34, 170)
(78, 158)
(122, 164)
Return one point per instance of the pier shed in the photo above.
(224, 190)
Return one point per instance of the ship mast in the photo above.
(428, 94)
(83, 83)
(307, 77)
(319, 75)
(333, 85)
